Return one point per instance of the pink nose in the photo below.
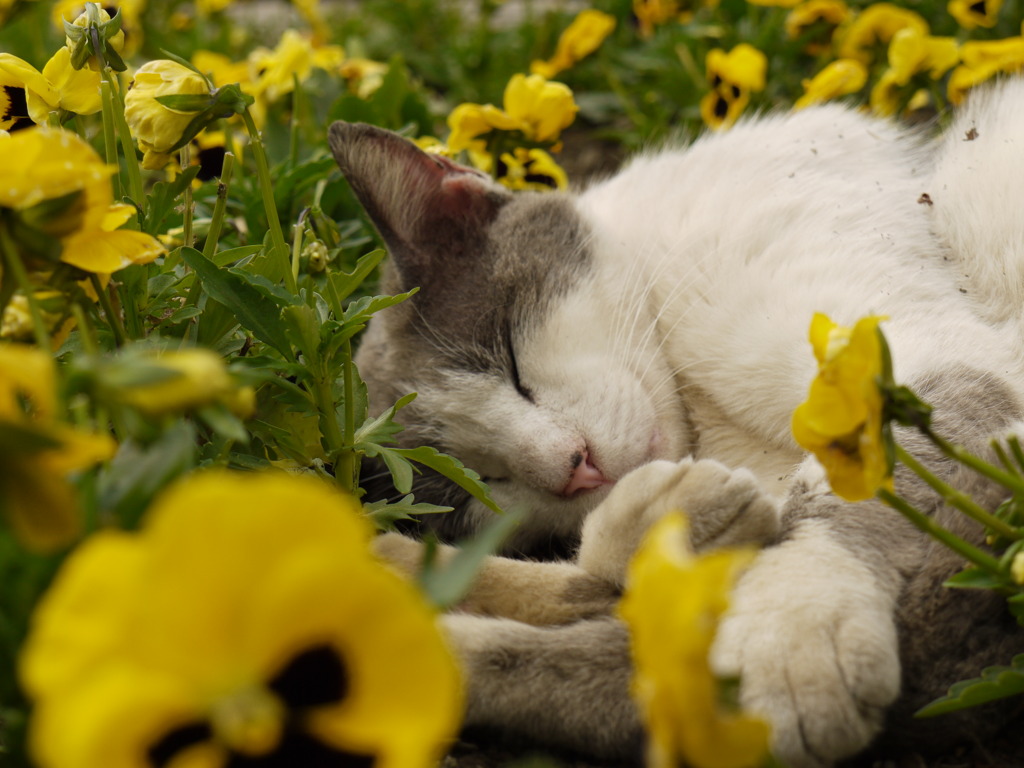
(585, 475)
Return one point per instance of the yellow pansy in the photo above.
(159, 130)
(581, 38)
(841, 422)
(732, 76)
(59, 185)
(975, 13)
(294, 57)
(38, 453)
(58, 87)
(982, 60)
(364, 76)
(174, 381)
(911, 52)
(874, 26)
(536, 107)
(672, 605)
(530, 169)
(816, 15)
(840, 78)
(247, 622)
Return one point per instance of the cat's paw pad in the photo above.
(724, 507)
(815, 646)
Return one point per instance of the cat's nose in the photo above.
(585, 475)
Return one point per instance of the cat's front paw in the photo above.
(725, 508)
(812, 636)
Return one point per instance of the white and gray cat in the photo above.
(606, 356)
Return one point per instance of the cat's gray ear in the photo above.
(429, 210)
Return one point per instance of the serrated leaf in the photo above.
(302, 326)
(361, 310)
(995, 683)
(401, 468)
(346, 282)
(385, 514)
(382, 429)
(454, 470)
(163, 198)
(446, 586)
(252, 308)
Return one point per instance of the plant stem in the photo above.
(280, 249)
(127, 145)
(120, 337)
(347, 467)
(1008, 480)
(188, 204)
(929, 526)
(336, 446)
(219, 207)
(955, 498)
(109, 136)
(14, 263)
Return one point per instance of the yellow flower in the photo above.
(983, 59)
(160, 130)
(581, 38)
(733, 76)
(911, 52)
(294, 56)
(58, 184)
(38, 453)
(534, 106)
(672, 605)
(247, 623)
(16, 321)
(530, 169)
(173, 381)
(364, 76)
(776, 3)
(58, 87)
(975, 13)
(840, 78)
(815, 15)
(654, 13)
(876, 25)
(841, 422)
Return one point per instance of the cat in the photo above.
(604, 356)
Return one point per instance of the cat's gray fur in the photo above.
(606, 357)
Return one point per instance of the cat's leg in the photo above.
(567, 686)
(724, 507)
(818, 623)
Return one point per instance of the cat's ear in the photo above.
(428, 209)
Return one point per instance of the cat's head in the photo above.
(530, 366)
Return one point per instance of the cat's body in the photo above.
(559, 343)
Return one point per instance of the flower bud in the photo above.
(94, 37)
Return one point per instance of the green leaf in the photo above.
(401, 468)
(182, 102)
(361, 310)
(995, 683)
(385, 514)
(382, 429)
(302, 326)
(163, 199)
(446, 586)
(15, 439)
(346, 282)
(975, 578)
(454, 470)
(223, 258)
(253, 309)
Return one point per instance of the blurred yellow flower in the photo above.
(158, 129)
(975, 13)
(294, 56)
(840, 78)
(530, 169)
(58, 87)
(364, 76)
(1017, 568)
(174, 381)
(776, 3)
(733, 76)
(982, 60)
(654, 13)
(841, 422)
(911, 52)
(247, 623)
(60, 186)
(809, 17)
(581, 38)
(673, 603)
(536, 107)
(38, 453)
(875, 26)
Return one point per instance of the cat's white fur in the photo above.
(687, 337)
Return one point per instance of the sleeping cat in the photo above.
(606, 356)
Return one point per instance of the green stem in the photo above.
(955, 498)
(337, 448)
(347, 467)
(127, 145)
(109, 136)
(1008, 480)
(296, 251)
(263, 173)
(188, 206)
(120, 337)
(219, 207)
(13, 259)
(929, 526)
